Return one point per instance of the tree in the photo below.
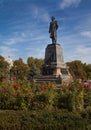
(33, 71)
(4, 67)
(35, 61)
(87, 68)
(76, 69)
(19, 69)
(30, 61)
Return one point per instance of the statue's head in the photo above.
(52, 18)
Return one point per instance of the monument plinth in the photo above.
(54, 66)
(54, 69)
(53, 60)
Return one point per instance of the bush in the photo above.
(64, 101)
(43, 120)
(18, 95)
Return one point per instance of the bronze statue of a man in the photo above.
(53, 30)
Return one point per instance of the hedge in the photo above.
(45, 120)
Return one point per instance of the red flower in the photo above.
(16, 87)
(15, 95)
(68, 87)
(13, 79)
(42, 89)
(2, 79)
(3, 90)
(88, 86)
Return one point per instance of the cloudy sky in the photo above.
(24, 26)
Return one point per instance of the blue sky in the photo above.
(24, 26)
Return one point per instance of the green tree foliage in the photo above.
(76, 69)
(4, 68)
(33, 71)
(30, 61)
(19, 69)
(87, 68)
(35, 67)
(36, 61)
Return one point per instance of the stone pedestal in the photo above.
(54, 63)
(54, 69)
(53, 55)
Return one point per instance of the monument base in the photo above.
(59, 75)
(54, 69)
(48, 78)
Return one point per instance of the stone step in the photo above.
(47, 79)
(52, 80)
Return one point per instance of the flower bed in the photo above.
(24, 95)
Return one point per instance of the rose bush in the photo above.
(23, 95)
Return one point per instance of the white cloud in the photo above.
(7, 51)
(36, 52)
(86, 34)
(82, 53)
(10, 41)
(40, 13)
(16, 38)
(83, 50)
(68, 3)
